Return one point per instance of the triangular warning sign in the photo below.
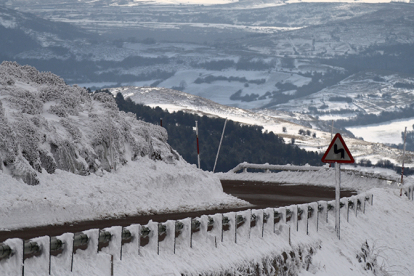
(338, 152)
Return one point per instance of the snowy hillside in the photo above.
(81, 152)
(284, 124)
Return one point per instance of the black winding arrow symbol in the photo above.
(341, 151)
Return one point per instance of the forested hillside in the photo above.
(241, 143)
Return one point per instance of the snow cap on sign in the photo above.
(338, 152)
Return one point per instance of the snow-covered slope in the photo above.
(66, 142)
(284, 124)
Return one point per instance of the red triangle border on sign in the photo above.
(345, 147)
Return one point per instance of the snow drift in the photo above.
(66, 142)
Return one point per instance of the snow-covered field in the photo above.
(389, 132)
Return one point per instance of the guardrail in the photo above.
(267, 167)
(68, 252)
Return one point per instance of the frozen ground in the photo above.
(381, 236)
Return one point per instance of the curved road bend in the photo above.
(261, 195)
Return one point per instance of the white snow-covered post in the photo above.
(61, 263)
(221, 141)
(229, 227)
(322, 214)
(39, 247)
(148, 244)
(12, 263)
(214, 231)
(312, 218)
(130, 249)
(166, 246)
(268, 222)
(256, 223)
(198, 146)
(84, 256)
(115, 242)
(182, 242)
(243, 226)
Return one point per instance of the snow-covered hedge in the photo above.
(47, 125)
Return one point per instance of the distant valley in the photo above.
(329, 61)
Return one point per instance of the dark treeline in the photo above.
(241, 143)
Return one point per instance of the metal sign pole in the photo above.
(337, 198)
(221, 141)
(402, 167)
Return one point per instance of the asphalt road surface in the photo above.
(261, 195)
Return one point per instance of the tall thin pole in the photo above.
(337, 199)
(402, 167)
(221, 140)
(198, 146)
